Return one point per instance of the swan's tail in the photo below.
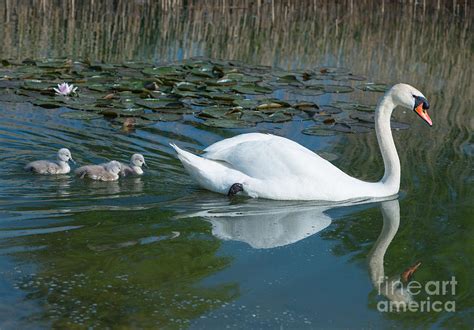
(189, 160)
(209, 174)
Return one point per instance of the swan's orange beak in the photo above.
(408, 273)
(423, 113)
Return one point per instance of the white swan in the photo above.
(273, 167)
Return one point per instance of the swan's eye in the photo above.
(426, 105)
(421, 100)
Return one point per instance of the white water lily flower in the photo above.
(65, 89)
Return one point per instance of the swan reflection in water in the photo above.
(392, 287)
(270, 224)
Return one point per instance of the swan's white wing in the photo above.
(233, 141)
(270, 157)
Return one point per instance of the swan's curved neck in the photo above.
(391, 161)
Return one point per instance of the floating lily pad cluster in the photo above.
(226, 94)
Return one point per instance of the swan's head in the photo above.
(411, 98)
(138, 160)
(64, 155)
(113, 167)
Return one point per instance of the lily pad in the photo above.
(278, 117)
(200, 102)
(349, 76)
(251, 79)
(328, 110)
(317, 130)
(332, 88)
(225, 82)
(15, 98)
(163, 71)
(157, 104)
(229, 97)
(227, 123)
(130, 112)
(38, 85)
(269, 105)
(213, 112)
(186, 86)
(246, 103)
(251, 89)
(99, 87)
(205, 71)
(333, 70)
(233, 78)
(7, 83)
(84, 115)
(373, 87)
(288, 79)
(252, 117)
(298, 113)
(162, 116)
(54, 64)
(362, 116)
(129, 85)
(306, 106)
(349, 106)
(135, 65)
(306, 91)
(47, 103)
(100, 66)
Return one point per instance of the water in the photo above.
(158, 251)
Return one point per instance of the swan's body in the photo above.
(106, 172)
(60, 166)
(273, 167)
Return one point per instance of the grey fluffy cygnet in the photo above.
(60, 166)
(105, 172)
(135, 167)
